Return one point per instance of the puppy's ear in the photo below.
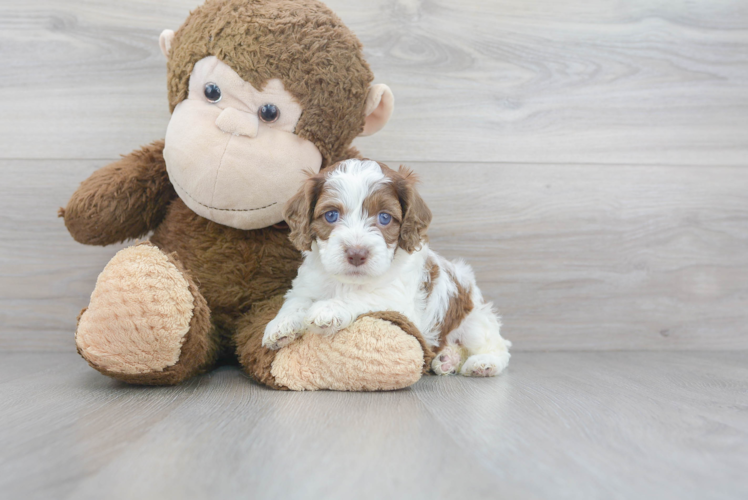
(416, 214)
(299, 212)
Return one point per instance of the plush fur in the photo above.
(235, 278)
(122, 200)
(300, 42)
(369, 253)
(338, 363)
(128, 299)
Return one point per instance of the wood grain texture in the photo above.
(556, 425)
(644, 81)
(575, 257)
(588, 158)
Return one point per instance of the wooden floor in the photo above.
(588, 158)
(625, 425)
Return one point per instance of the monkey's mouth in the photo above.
(183, 190)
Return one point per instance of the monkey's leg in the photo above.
(147, 322)
(378, 352)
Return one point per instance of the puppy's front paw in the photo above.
(326, 318)
(283, 330)
(485, 365)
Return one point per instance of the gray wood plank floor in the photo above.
(626, 425)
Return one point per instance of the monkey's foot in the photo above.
(378, 352)
(147, 323)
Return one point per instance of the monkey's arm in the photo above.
(122, 200)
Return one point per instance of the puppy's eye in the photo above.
(269, 113)
(332, 216)
(384, 218)
(212, 92)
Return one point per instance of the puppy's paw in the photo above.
(485, 365)
(326, 318)
(447, 361)
(283, 330)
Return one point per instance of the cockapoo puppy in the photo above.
(362, 228)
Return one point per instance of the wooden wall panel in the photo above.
(575, 257)
(653, 82)
(588, 158)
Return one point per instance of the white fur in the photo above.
(329, 293)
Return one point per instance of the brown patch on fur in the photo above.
(416, 215)
(433, 270)
(122, 200)
(385, 199)
(305, 211)
(406, 326)
(327, 201)
(460, 305)
(301, 42)
(256, 359)
(299, 212)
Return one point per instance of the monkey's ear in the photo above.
(164, 41)
(299, 212)
(379, 106)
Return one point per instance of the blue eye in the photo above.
(331, 216)
(385, 218)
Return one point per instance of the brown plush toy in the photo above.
(260, 91)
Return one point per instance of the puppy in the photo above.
(362, 228)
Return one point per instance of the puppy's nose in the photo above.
(357, 255)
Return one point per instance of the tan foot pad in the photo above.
(370, 355)
(139, 314)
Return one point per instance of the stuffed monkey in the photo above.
(261, 91)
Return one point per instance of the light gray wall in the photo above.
(588, 158)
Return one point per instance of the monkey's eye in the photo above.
(384, 218)
(332, 216)
(269, 113)
(212, 92)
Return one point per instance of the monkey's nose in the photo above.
(357, 255)
(235, 122)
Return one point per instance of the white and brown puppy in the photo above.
(362, 228)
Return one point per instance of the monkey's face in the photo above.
(231, 151)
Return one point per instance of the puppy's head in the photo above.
(358, 213)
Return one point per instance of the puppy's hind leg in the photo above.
(479, 333)
(448, 360)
